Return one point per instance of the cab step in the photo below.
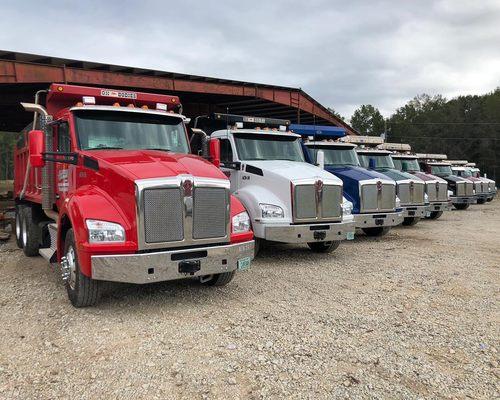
(49, 253)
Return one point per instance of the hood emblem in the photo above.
(379, 186)
(187, 185)
(318, 185)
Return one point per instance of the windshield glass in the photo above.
(336, 156)
(380, 160)
(441, 170)
(267, 147)
(129, 130)
(462, 172)
(405, 164)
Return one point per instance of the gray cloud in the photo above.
(342, 54)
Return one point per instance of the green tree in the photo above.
(368, 120)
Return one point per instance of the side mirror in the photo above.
(36, 148)
(371, 163)
(215, 152)
(320, 159)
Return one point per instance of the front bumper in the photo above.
(320, 232)
(482, 196)
(463, 199)
(166, 265)
(439, 206)
(414, 211)
(377, 220)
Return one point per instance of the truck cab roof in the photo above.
(268, 133)
(330, 144)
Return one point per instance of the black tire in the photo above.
(488, 200)
(410, 221)
(30, 232)
(258, 244)
(481, 201)
(324, 247)
(220, 279)
(82, 290)
(19, 227)
(461, 206)
(435, 215)
(377, 231)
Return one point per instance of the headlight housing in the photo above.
(241, 222)
(347, 207)
(398, 202)
(105, 232)
(271, 211)
(450, 193)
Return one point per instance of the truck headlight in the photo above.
(105, 232)
(271, 211)
(398, 202)
(241, 222)
(450, 193)
(426, 198)
(347, 207)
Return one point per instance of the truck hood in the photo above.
(292, 170)
(144, 164)
(427, 177)
(355, 173)
(397, 175)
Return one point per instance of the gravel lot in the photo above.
(412, 315)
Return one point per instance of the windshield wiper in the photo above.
(105, 148)
(156, 148)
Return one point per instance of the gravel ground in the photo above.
(412, 315)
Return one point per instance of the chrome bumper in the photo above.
(439, 206)
(380, 219)
(306, 233)
(166, 265)
(463, 199)
(414, 211)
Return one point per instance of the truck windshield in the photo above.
(99, 130)
(380, 160)
(441, 170)
(336, 156)
(268, 147)
(406, 164)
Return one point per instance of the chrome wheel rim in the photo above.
(25, 232)
(71, 260)
(18, 226)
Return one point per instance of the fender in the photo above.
(236, 208)
(90, 202)
(252, 195)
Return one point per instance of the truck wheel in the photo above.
(82, 290)
(257, 246)
(30, 232)
(220, 279)
(410, 221)
(435, 215)
(19, 227)
(461, 206)
(378, 231)
(481, 201)
(324, 247)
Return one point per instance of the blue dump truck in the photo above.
(373, 195)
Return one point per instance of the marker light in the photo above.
(282, 128)
(145, 107)
(79, 104)
(116, 104)
(239, 125)
(60, 89)
(161, 107)
(130, 105)
(88, 100)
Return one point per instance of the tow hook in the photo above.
(65, 270)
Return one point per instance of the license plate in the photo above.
(350, 235)
(244, 263)
(427, 214)
(379, 221)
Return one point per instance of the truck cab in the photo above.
(289, 201)
(373, 195)
(409, 189)
(106, 187)
(462, 190)
(436, 188)
(481, 187)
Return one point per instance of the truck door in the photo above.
(62, 171)
(228, 166)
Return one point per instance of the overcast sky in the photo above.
(341, 53)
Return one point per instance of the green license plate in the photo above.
(244, 263)
(350, 235)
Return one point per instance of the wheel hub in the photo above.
(68, 268)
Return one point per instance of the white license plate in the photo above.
(244, 263)
(350, 235)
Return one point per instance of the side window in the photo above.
(63, 138)
(226, 152)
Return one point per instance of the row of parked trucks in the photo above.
(120, 186)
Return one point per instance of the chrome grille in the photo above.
(209, 212)
(461, 189)
(374, 200)
(309, 204)
(305, 202)
(404, 193)
(442, 194)
(432, 189)
(418, 193)
(492, 186)
(163, 217)
(469, 189)
(332, 197)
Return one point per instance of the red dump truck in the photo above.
(106, 187)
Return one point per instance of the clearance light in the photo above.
(257, 128)
(130, 105)
(116, 104)
(88, 100)
(60, 88)
(79, 104)
(161, 107)
(145, 107)
(173, 100)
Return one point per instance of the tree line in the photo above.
(465, 127)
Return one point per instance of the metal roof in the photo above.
(22, 74)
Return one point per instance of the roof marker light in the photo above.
(79, 104)
(130, 105)
(88, 100)
(161, 107)
(116, 104)
(145, 107)
(60, 88)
